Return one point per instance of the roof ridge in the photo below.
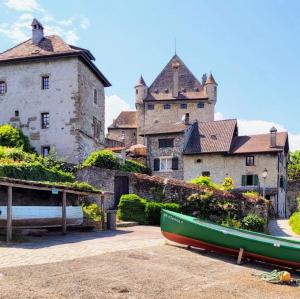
(181, 61)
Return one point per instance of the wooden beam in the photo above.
(102, 211)
(9, 215)
(239, 259)
(64, 212)
(42, 188)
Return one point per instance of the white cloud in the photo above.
(19, 30)
(23, 5)
(113, 106)
(251, 127)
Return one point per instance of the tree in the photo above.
(13, 137)
(294, 166)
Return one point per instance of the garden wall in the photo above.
(162, 189)
(293, 193)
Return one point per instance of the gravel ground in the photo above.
(165, 271)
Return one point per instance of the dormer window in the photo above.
(2, 87)
(45, 82)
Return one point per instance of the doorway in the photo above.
(121, 187)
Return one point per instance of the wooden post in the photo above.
(239, 259)
(9, 215)
(102, 211)
(64, 212)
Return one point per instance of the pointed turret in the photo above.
(140, 90)
(141, 82)
(211, 87)
(211, 80)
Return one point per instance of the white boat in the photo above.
(41, 216)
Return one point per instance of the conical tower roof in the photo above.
(141, 82)
(210, 79)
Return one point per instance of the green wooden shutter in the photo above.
(255, 180)
(175, 163)
(156, 164)
(243, 180)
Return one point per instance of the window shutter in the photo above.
(243, 180)
(255, 180)
(156, 164)
(175, 163)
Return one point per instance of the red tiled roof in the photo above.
(258, 143)
(125, 120)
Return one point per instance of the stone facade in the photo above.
(156, 152)
(69, 102)
(128, 136)
(73, 100)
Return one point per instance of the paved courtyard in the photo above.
(281, 228)
(56, 247)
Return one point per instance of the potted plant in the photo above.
(93, 215)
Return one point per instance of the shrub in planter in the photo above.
(153, 210)
(132, 208)
(253, 222)
(13, 137)
(103, 159)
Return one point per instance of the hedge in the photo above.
(134, 208)
(294, 222)
(153, 210)
(34, 171)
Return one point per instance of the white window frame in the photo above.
(168, 160)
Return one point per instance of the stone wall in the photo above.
(128, 134)
(161, 189)
(293, 193)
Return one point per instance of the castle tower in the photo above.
(210, 87)
(141, 91)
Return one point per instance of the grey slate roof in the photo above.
(50, 46)
(188, 84)
(210, 137)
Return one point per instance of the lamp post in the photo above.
(264, 175)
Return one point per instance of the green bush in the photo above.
(16, 154)
(33, 171)
(132, 208)
(253, 222)
(92, 212)
(227, 184)
(133, 166)
(13, 137)
(203, 181)
(103, 159)
(251, 193)
(294, 222)
(153, 210)
(230, 222)
(294, 166)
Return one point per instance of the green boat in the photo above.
(194, 232)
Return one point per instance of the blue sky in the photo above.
(251, 47)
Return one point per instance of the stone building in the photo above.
(185, 150)
(173, 93)
(55, 93)
(124, 128)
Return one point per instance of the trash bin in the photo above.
(111, 219)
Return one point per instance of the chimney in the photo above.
(37, 31)
(186, 119)
(204, 78)
(175, 66)
(273, 134)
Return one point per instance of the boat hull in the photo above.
(41, 216)
(183, 229)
